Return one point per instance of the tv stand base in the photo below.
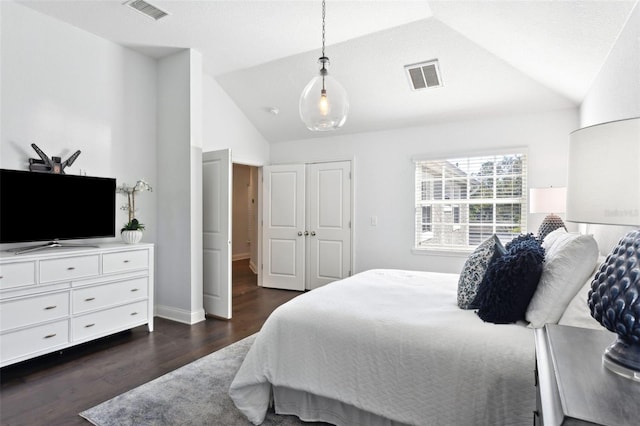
(51, 244)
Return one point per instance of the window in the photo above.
(426, 219)
(460, 202)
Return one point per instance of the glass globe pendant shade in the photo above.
(324, 104)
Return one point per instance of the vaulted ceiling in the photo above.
(495, 57)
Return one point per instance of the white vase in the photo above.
(131, 237)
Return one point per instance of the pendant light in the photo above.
(323, 103)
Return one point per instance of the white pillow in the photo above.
(552, 237)
(569, 260)
(578, 313)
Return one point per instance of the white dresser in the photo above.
(56, 298)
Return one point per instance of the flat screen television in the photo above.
(50, 207)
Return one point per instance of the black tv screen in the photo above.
(46, 207)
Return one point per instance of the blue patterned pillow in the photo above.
(510, 281)
(474, 270)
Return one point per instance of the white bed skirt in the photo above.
(314, 408)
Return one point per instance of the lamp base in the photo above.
(623, 359)
(550, 223)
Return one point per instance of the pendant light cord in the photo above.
(324, 58)
(323, 15)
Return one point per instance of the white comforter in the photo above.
(393, 343)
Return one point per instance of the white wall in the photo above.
(225, 126)
(196, 286)
(384, 175)
(615, 94)
(179, 252)
(65, 89)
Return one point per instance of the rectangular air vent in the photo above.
(147, 9)
(425, 75)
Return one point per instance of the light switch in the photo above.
(374, 220)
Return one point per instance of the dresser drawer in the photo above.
(17, 274)
(125, 261)
(109, 320)
(32, 310)
(69, 268)
(102, 296)
(32, 341)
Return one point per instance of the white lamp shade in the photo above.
(328, 113)
(604, 174)
(547, 200)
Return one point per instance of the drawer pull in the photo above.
(50, 307)
(1, 277)
(125, 261)
(89, 325)
(89, 299)
(71, 268)
(49, 336)
(134, 313)
(134, 289)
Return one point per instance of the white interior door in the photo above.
(328, 222)
(283, 227)
(216, 259)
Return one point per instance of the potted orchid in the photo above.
(131, 232)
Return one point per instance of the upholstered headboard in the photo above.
(577, 313)
(607, 236)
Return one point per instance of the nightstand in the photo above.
(573, 387)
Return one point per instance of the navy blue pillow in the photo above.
(510, 281)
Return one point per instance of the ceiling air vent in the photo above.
(425, 75)
(147, 9)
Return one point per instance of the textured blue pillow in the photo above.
(474, 269)
(510, 281)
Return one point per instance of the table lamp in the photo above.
(604, 188)
(551, 201)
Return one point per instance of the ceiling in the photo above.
(495, 57)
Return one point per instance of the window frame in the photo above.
(460, 199)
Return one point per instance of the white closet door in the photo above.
(283, 227)
(328, 222)
(216, 228)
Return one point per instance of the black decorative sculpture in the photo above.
(50, 165)
(614, 300)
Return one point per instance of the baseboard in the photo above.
(253, 268)
(241, 256)
(179, 315)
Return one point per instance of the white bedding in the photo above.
(393, 343)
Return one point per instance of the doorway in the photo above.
(245, 227)
(220, 216)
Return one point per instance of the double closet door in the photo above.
(306, 225)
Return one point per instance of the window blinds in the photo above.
(461, 201)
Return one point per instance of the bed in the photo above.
(392, 347)
(323, 355)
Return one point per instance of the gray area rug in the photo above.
(196, 394)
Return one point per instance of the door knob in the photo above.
(313, 233)
(306, 233)
(299, 233)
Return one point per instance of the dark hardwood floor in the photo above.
(53, 389)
